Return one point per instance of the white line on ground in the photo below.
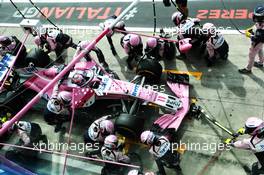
(136, 29)
(78, 1)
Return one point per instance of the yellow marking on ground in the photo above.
(197, 75)
(181, 149)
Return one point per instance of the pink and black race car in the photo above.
(100, 85)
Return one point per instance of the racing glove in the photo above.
(241, 131)
(229, 141)
(249, 32)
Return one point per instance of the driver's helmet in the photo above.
(252, 124)
(209, 28)
(65, 97)
(152, 43)
(106, 127)
(78, 79)
(147, 137)
(258, 14)
(177, 18)
(111, 142)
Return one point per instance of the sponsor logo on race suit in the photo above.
(162, 149)
(186, 26)
(218, 41)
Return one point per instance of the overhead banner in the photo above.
(224, 14)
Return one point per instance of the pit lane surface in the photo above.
(229, 96)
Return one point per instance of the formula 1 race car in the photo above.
(101, 85)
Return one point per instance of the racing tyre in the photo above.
(170, 51)
(129, 125)
(151, 69)
(38, 57)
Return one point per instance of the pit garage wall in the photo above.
(91, 14)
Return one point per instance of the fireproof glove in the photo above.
(241, 131)
(230, 141)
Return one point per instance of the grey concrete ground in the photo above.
(227, 95)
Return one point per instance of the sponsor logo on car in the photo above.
(135, 90)
(173, 103)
